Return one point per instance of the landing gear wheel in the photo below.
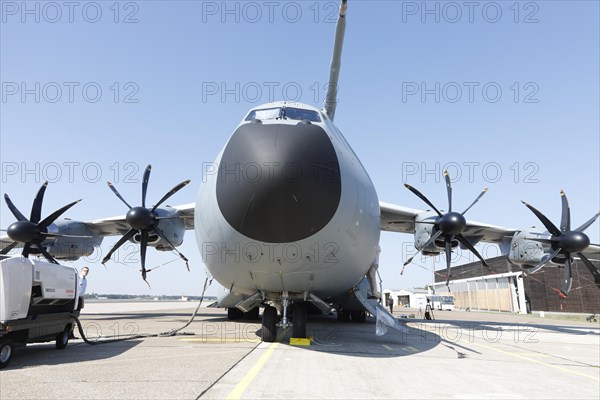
(359, 316)
(233, 314)
(299, 321)
(269, 324)
(252, 314)
(62, 339)
(6, 352)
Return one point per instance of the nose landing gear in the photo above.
(298, 319)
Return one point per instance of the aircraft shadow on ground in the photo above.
(44, 354)
(348, 338)
(360, 339)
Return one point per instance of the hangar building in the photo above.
(474, 286)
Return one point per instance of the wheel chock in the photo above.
(300, 341)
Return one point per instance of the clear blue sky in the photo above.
(541, 133)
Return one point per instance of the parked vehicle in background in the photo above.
(441, 302)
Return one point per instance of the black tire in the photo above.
(234, 314)
(299, 321)
(62, 339)
(253, 314)
(269, 324)
(359, 316)
(7, 349)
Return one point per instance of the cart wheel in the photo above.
(62, 339)
(6, 352)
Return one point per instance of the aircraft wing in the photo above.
(396, 218)
(118, 226)
(5, 241)
(400, 219)
(592, 252)
(187, 211)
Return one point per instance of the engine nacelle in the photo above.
(172, 228)
(423, 232)
(72, 248)
(526, 252)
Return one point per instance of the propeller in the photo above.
(144, 220)
(565, 242)
(32, 232)
(448, 226)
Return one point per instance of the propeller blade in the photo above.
(45, 253)
(541, 265)
(587, 224)
(145, 184)
(8, 248)
(427, 243)
(469, 246)
(484, 191)
(13, 209)
(123, 239)
(449, 190)
(143, 247)
(422, 197)
(593, 269)
(448, 259)
(52, 217)
(171, 193)
(565, 217)
(159, 233)
(567, 277)
(36, 208)
(115, 191)
(26, 250)
(547, 223)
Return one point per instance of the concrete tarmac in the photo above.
(459, 355)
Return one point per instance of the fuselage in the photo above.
(287, 206)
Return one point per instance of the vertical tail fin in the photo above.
(334, 71)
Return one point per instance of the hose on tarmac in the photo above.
(173, 332)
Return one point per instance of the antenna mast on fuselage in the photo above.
(334, 71)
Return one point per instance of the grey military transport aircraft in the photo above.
(289, 220)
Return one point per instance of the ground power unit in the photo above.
(38, 301)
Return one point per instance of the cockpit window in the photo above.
(267, 113)
(301, 114)
(285, 113)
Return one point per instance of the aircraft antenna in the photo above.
(334, 70)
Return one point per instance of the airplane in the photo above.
(290, 220)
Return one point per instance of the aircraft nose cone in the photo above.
(452, 223)
(140, 218)
(277, 182)
(24, 231)
(574, 242)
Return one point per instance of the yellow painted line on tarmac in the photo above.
(385, 346)
(517, 355)
(241, 387)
